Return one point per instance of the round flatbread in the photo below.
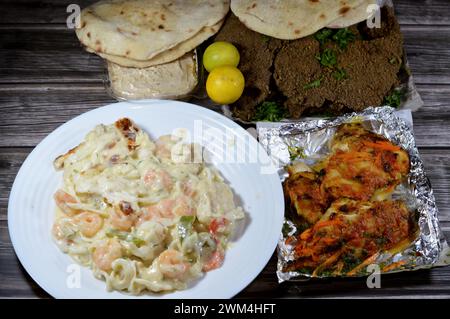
(141, 29)
(166, 56)
(356, 15)
(291, 19)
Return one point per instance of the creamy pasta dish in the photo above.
(140, 213)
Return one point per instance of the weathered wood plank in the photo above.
(10, 161)
(423, 12)
(37, 11)
(424, 283)
(428, 52)
(29, 113)
(428, 283)
(433, 283)
(49, 55)
(54, 11)
(437, 164)
(52, 106)
(35, 55)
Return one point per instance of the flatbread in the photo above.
(166, 56)
(358, 14)
(291, 19)
(141, 29)
(171, 80)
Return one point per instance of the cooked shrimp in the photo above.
(88, 223)
(158, 180)
(62, 200)
(148, 213)
(163, 209)
(123, 217)
(215, 261)
(167, 208)
(183, 207)
(173, 264)
(106, 253)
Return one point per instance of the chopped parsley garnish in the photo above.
(314, 84)
(343, 37)
(395, 98)
(122, 235)
(394, 60)
(323, 35)
(339, 74)
(269, 112)
(304, 271)
(327, 58)
(286, 229)
(381, 241)
(296, 152)
(265, 38)
(350, 262)
(185, 225)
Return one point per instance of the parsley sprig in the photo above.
(270, 112)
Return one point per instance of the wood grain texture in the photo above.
(429, 283)
(423, 12)
(34, 54)
(28, 118)
(46, 79)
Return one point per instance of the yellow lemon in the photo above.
(225, 84)
(220, 53)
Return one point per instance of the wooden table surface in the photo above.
(47, 79)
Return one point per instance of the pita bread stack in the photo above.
(294, 19)
(147, 34)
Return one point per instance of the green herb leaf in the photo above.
(137, 241)
(286, 229)
(122, 235)
(350, 262)
(117, 233)
(343, 37)
(381, 241)
(395, 98)
(314, 84)
(270, 112)
(187, 220)
(296, 152)
(393, 60)
(339, 74)
(327, 58)
(304, 271)
(184, 226)
(323, 35)
(265, 38)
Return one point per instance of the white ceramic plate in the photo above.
(31, 207)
